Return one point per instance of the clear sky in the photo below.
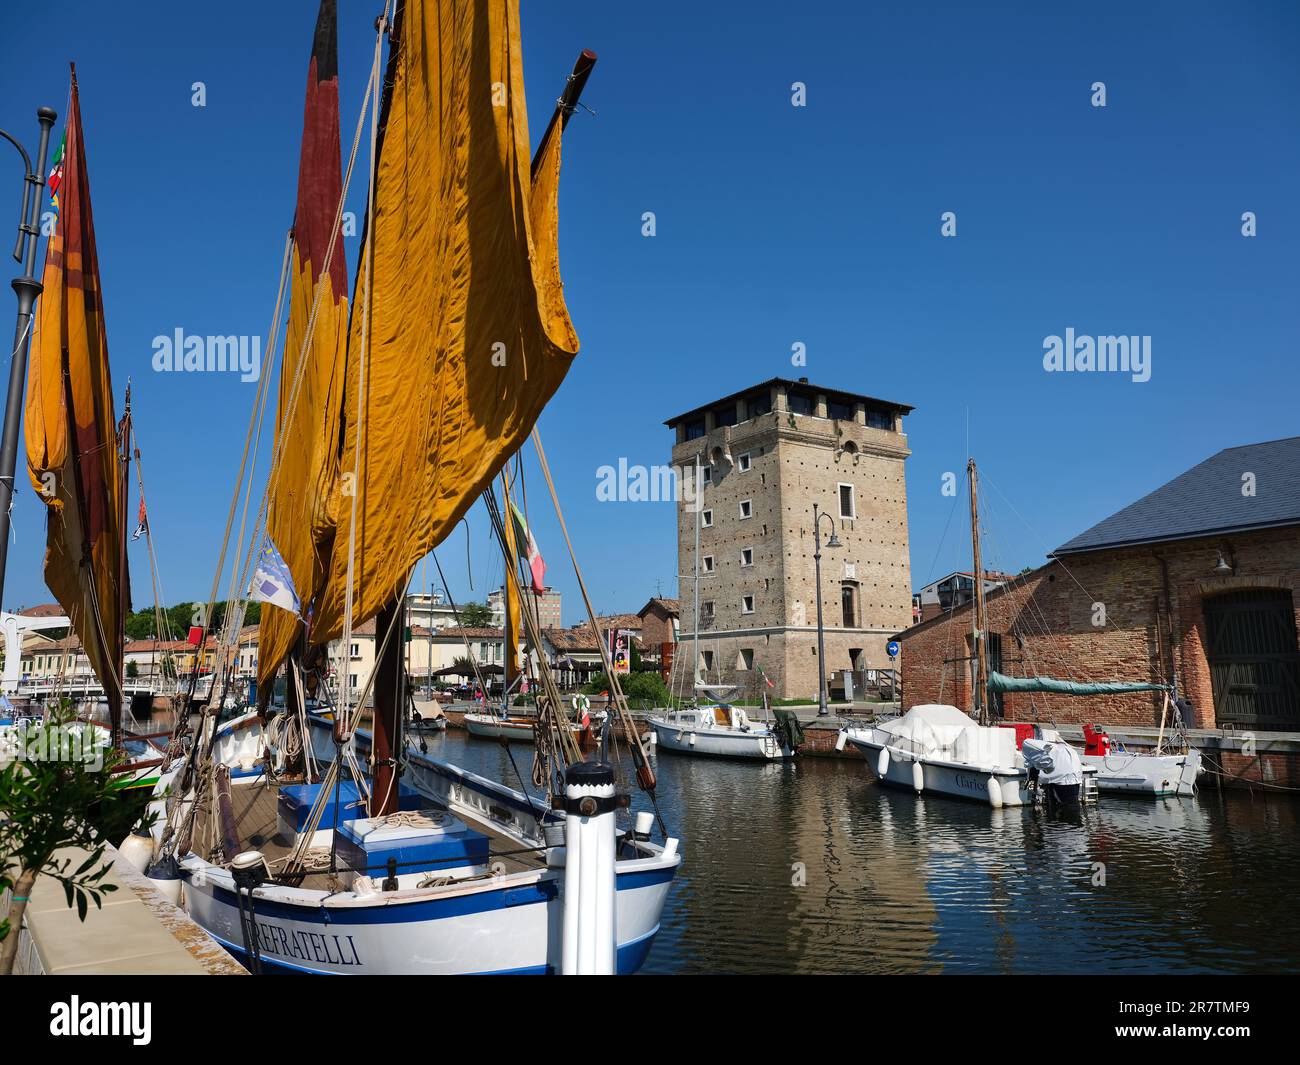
(775, 225)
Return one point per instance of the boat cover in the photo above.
(1000, 683)
(929, 726)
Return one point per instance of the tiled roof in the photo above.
(1209, 499)
(42, 610)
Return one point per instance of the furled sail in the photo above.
(469, 336)
(310, 400)
(71, 431)
(1000, 683)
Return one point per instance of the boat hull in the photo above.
(1151, 775)
(719, 742)
(953, 779)
(511, 926)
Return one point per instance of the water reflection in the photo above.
(896, 884)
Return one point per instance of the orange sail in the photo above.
(71, 431)
(468, 335)
(310, 403)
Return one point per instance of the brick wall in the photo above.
(1047, 623)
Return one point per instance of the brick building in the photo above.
(1199, 581)
(768, 454)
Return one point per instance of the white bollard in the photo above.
(590, 944)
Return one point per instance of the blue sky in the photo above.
(775, 225)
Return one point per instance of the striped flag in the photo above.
(536, 565)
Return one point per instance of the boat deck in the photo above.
(256, 816)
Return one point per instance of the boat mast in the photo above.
(123, 586)
(981, 660)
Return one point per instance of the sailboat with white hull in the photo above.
(711, 727)
(347, 849)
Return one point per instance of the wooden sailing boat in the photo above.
(384, 860)
(78, 454)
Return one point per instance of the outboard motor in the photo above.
(1095, 741)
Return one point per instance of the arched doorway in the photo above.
(1254, 661)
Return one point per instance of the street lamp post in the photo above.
(27, 288)
(823, 709)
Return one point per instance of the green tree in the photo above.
(45, 793)
(475, 615)
(132, 670)
(636, 686)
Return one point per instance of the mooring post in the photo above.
(590, 946)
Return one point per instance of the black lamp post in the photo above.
(27, 288)
(822, 708)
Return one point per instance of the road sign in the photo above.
(891, 648)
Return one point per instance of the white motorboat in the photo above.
(719, 730)
(937, 748)
(1137, 773)
(518, 729)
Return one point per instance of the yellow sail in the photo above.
(468, 332)
(70, 428)
(299, 522)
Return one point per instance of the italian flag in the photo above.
(524, 535)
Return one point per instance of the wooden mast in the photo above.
(123, 583)
(387, 742)
(981, 642)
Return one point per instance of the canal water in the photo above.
(811, 867)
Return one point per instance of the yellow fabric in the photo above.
(71, 431)
(299, 520)
(465, 277)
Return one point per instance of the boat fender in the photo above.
(918, 777)
(137, 849)
(995, 792)
(692, 739)
(840, 740)
(882, 763)
(165, 876)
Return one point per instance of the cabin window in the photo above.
(847, 508)
(746, 556)
(745, 660)
(746, 604)
(746, 508)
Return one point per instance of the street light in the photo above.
(27, 288)
(822, 709)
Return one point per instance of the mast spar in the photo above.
(981, 643)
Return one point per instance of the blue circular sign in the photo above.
(892, 648)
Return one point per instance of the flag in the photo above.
(536, 565)
(272, 581)
(55, 180)
(765, 679)
(142, 522)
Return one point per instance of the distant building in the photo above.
(548, 607)
(769, 453)
(954, 590)
(1198, 582)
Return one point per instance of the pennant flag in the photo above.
(272, 581)
(536, 565)
(142, 522)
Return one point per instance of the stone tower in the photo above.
(768, 454)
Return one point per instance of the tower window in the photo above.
(847, 509)
(746, 508)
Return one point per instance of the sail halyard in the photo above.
(71, 431)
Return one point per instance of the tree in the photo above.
(475, 615)
(464, 665)
(132, 670)
(649, 686)
(59, 771)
